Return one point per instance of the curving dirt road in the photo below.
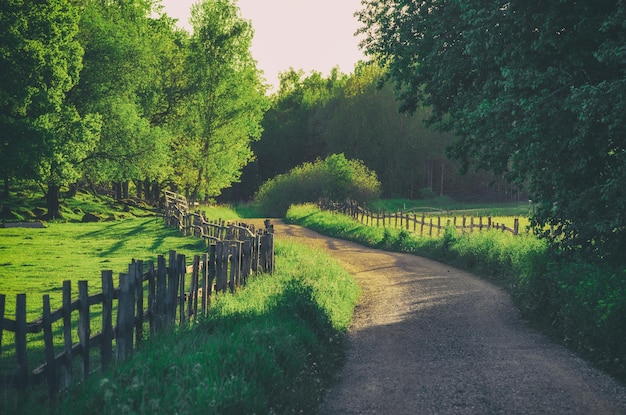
(430, 339)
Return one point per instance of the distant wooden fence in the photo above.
(413, 222)
(149, 297)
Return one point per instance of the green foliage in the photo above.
(40, 58)
(579, 303)
(312, 117)
(269, 349)
(335, 177)
(123, 48)
(535, 96)
(224, 101)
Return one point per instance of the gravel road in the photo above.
(431, 339)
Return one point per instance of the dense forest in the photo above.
(113, 94)
(527, 103)
(312, 117)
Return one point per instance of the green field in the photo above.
(255, 355)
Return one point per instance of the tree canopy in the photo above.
(312, 117)
(42, 136)
(534, 92)
(112, 92)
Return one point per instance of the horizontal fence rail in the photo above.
(425, 225)
(149, 298)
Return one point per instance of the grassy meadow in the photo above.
(270, 348)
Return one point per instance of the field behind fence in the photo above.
(150, 298)
(422, 223)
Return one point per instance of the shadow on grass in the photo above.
(274, 361)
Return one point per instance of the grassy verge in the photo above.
(269, 349)
(580, 304)
(36, 261)
(444, 204)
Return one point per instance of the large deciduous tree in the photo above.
(41, 135)
(533, 91)
(122, 80)
(224, 104)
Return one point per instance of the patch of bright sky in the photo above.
(301, 34)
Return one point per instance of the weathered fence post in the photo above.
(221, 266)
(192, 300)
(67, 332)
(2, 304)
(206, 286)
(151, 296)
(84, 327)
(21, 375)
(212, 272)
(246, 260)
(125, 319)
(182, 270)
(235, 262)
(136, 273)
(106, 346)
(160, 317)
(172, 289)
(51, 370)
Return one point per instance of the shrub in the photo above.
(336, 178)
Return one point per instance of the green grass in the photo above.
(580, 304)
(445, 205)
(271, 348)
(37, 261)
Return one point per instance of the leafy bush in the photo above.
(336, 178)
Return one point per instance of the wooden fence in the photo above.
(149, 299)
(422, 223)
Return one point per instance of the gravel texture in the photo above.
(431, 339)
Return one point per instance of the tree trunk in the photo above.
(73, 189)
(147, 190)
(117, 190)
(124, 186)
(441, 187)
(139, 189)
(5, 193)
(52, 201)
(156, 192)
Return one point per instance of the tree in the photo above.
(225, 101)
(40, 60)
(121, 80)
(537, 94)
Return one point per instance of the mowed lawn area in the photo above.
(37, 261)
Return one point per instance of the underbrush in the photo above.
(580, 304)
(270, 348)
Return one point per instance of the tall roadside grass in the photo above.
(580, 304)
(270, 348)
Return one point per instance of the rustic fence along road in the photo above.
(234, 252)
(413, 222)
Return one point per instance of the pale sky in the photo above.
(302, 34)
